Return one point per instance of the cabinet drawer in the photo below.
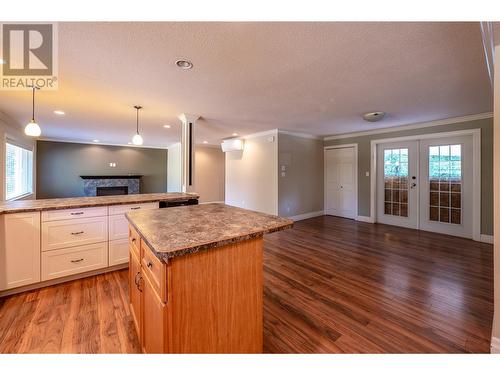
(155, 270)
(118, 227)
(123, 208)
(64, 262)
(118, 252)
(69, 233)
(74, 213)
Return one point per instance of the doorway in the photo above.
(341, 176)
(427, 184)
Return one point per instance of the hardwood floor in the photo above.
(331, 285)
(336, 285)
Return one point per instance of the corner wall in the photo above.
(300, 175)
(252, 174)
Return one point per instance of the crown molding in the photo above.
(300, 135)
(99, 143)
(447, 121)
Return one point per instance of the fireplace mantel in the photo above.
(128, 183)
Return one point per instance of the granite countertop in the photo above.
(81, 202)
(184, 230)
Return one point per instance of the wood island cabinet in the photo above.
(207, 302)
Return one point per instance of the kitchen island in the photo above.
(196, 278)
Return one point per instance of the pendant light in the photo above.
(32, 129)
(137, 139)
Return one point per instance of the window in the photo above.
(18, 171)
(396, 182)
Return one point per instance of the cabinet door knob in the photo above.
(150, 265)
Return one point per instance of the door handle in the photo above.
(413, 185)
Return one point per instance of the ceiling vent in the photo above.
(374, 116)
(229, 145)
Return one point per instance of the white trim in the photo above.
(486, 238)
(101, 143)
(495, 345)
(349, 145)
(365, 219)
(447, 121)
(307, 215)
(476, 162)
(300, 135)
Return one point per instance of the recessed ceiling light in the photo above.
(184, 64)
(166, 126)
(205, 142)
(95, 140)
(235, 134)
(374, 116)
(59, 112)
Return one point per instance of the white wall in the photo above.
(252, 174)
(10, 130)
(174, 168)
(209, 173)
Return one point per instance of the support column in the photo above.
(187, 151)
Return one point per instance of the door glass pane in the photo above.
(396, 182)
(445, 184)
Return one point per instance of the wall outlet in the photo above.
(367, 174)
(112, 165)
(283, 174)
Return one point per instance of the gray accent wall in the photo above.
(59, 166)
(486, 126)
(300, 190)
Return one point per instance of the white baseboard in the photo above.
(486, 238)
(307, 215)
(495, 345)
(366, 219)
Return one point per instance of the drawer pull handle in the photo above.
(76, 233)
(77, 213)
(150, 265)
(77, 260)
(135, 208)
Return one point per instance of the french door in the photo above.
(426, 184)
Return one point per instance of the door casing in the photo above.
(355, 147)
(476, 172)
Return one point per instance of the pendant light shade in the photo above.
(137, 139)
(32, 129)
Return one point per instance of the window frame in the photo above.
(14, 142)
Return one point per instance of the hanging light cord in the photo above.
(33, 98)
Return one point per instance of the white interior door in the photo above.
(340, 182)
(446, 184)
(397, 184)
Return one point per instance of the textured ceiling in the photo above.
(315, 78)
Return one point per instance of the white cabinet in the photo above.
(75, 232)
(118, 252)
(74, 213)
(65, 262)
(19, 249)
(118, 227)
